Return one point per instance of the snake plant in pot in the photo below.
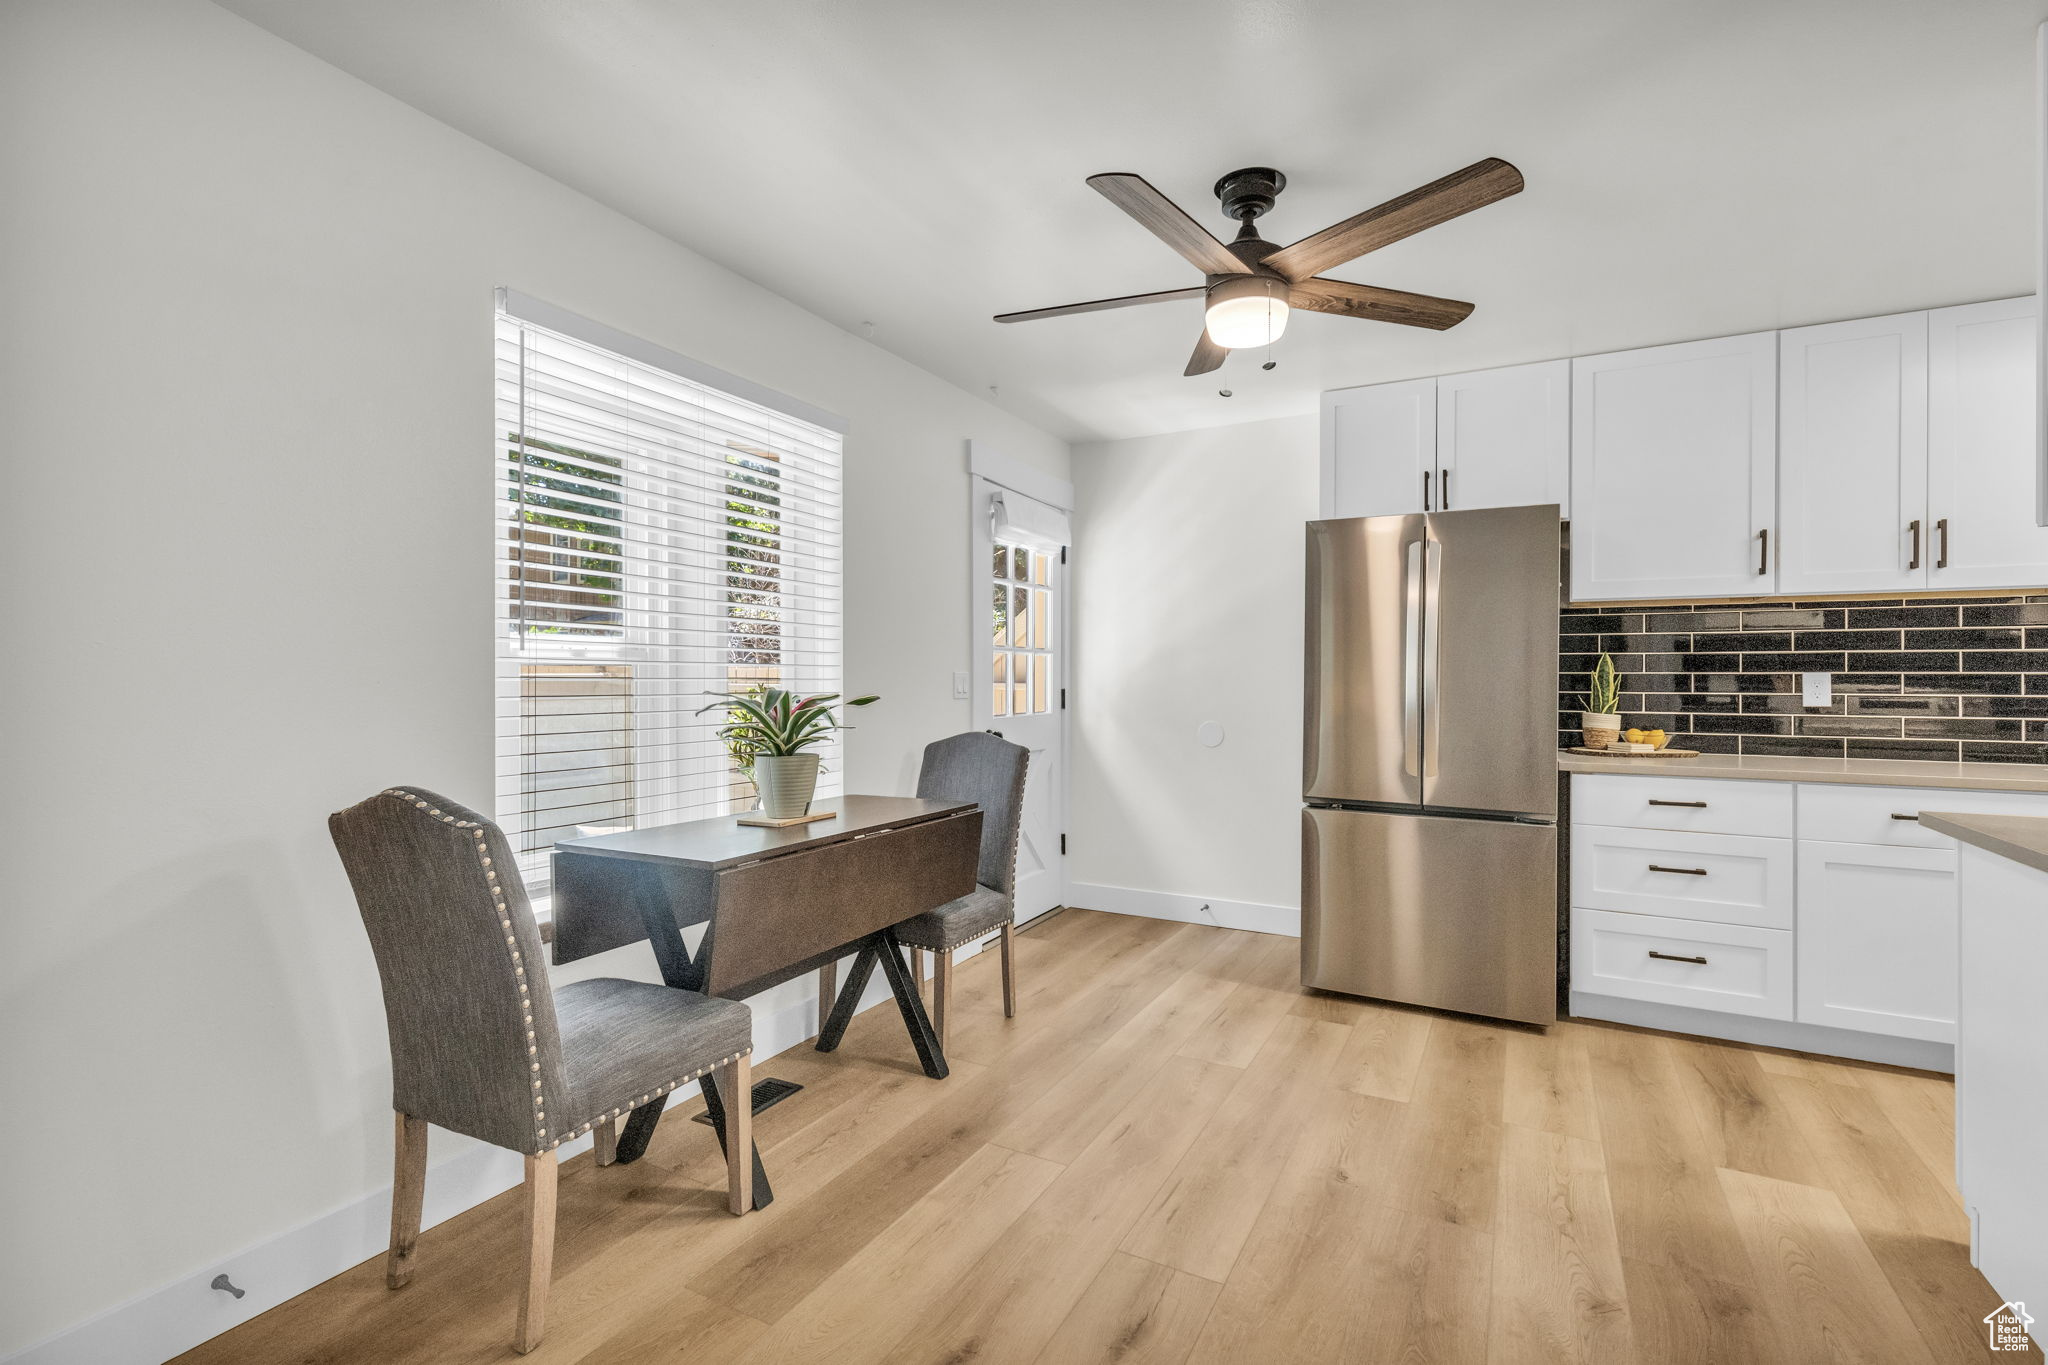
(769, 731)
(1600, 723)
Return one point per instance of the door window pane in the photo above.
(1021, 566)
(1002, 614)
(1039, 701)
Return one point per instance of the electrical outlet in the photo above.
(960, 692)
(1817, 689)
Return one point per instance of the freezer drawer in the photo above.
(1456, 914)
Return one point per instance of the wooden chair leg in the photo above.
(605, 1141)
(408, 1192)
(1009, 971)
(915, 956)
(540, 1251)
(736, 1086)
(828, 991)
(942, 992)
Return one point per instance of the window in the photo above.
(659, 537)
(1022, 621)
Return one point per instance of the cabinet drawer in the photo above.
(1701, 805)
(1728, 967)
(1866, 815)
(1729, 878)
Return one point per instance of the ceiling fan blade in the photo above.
(1208, 355)
(1166, 220)
(1097, 305)
(1379, 305)
(1460, 192)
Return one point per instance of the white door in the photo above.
(1019, 677)
(1981, 457)
(1504, 437)
(1852, 456)
(1877, 939)
(1379, 450)
(1674, 455)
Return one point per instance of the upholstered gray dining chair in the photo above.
(989, 770)
(480, 1045)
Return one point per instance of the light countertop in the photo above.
(2022, 838)
(1857, 772)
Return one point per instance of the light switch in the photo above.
(1817, 689)
(960, 685)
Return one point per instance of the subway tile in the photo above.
(2033, 612)
(1764, 682)
(1689, 621)
(1866, 682)
(1855, 603)
(1949, 727)
(2037, 730)
(1709, 703)
(1846, 639)
(1797, 661)
(1578, 644)
(2014, 600)
(1901, 706)
(1965, 684)
(1843, 726)
(2036, 638)
(1741, 725)
(2005, 753)
(1894, 618)
(1653, 720)
(1930, 750)
(1702, 663)
(1969, 637)
(1738, 641)
(1799, 746)
(1786, 704)
(2003, 661)
(1922, 661)
(1598, 622)
(1715, 744)
(1649, 642)
(1791, 618)
(2025, 708)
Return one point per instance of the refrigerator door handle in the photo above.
(1432, 594)
(1411, 661)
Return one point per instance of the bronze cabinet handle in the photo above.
(1681, 871)
(1897, 816)
(1941, 555)
(1425, 490)
(1675, 957)
(1914, 527)
(1444, 482)
(1696, 805)
(1763, 552)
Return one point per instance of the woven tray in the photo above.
(1616, 753)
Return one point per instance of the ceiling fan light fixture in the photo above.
(1245, 311)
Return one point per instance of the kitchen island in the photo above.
(2002, 1045)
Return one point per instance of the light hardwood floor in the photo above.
(1174, 1154)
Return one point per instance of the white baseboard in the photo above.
(1785, 1033)
(171, 1320)
(1129, 900)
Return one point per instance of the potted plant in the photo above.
(767, 730)
(1600, 722)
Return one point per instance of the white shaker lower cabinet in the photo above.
(1813, 916)
(1877, 939)
(2002, 1072)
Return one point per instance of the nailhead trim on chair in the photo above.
(483, 857)
(540, 1103)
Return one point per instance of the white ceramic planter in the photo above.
(786, 784)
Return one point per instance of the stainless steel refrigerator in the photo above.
(1429, 842)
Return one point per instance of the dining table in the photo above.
(774, 903)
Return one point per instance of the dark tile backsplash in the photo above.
(1928, 678)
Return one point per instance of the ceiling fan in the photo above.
(1252, 283)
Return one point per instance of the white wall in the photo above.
(245, 305)
(1188, 608)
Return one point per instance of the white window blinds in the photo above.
(658, 538)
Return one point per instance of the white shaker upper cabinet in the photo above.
(1379, 450)
(1852, 456)
(1674, 460)
(1503, 437)
(1981, 460)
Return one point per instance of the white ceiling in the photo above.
(1695, 167)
